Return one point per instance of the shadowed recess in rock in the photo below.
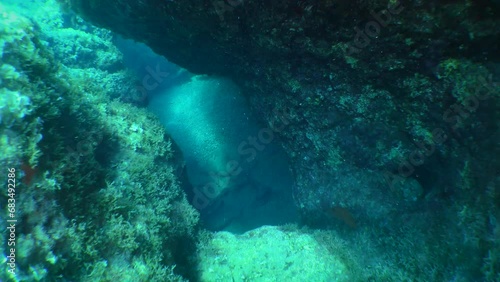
(238, 174)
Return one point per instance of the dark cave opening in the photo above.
(235, 171)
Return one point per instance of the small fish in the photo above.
(342, 214)
(29, 173)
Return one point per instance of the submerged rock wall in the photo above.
(96, 198)
(401, 96)
(365, 82)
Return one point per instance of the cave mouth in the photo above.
(235, 172)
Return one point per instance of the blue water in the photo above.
(120, 165)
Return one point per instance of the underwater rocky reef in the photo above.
(96, 193)
(291, 141)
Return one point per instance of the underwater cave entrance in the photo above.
(236, 173)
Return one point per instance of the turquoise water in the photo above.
(249, 141)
